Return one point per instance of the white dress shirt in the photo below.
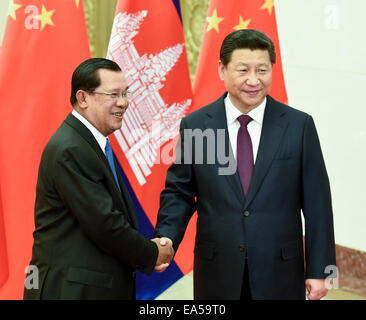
(101, 139)
(254, 126)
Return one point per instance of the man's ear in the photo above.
(221, 70)
(81, 97)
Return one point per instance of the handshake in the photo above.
(166, 253)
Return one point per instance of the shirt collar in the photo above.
(101, 139)
(232, 113)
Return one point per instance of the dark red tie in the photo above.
(244, 153)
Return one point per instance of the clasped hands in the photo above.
(166, 253)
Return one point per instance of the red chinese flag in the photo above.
(224, 17)
(44, 42)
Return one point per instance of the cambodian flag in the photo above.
(147, 41)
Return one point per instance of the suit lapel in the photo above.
(217, 120)
(88, 136)
(273, 129)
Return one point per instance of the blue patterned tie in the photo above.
(109, 154)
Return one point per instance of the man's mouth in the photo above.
(252, 92)
(118, 114)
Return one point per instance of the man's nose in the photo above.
(252, 80)
(123, 101)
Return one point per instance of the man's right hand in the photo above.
(166, 253)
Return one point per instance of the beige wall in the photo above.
(99, 17)
(194, 17)
(323, 53)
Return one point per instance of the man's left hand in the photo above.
(316, 289)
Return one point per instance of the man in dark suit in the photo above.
(86, 241)
(249, 240)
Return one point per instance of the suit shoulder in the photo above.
(197, 113)
(200, 113)
(64, 142)
(291, 111)
(63, 137)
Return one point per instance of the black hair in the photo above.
(86, 76)
(246, 39)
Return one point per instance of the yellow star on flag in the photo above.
(12, 8)
(213, 22)
(77, 3)
(268, 5)
(45, 17)
(242, 24)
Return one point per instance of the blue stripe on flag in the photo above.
(177, 6)
(149, 287)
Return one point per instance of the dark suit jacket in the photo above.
(86, 243)
(289, 176)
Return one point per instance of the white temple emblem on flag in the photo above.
(149, 122)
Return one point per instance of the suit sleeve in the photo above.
(317, 206)
(82, 187)
(177, 200)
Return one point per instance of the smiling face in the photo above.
(105, 112)
(247, 78)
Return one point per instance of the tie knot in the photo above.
(244, 119)
(108, 145)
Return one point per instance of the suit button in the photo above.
(246, 213)
(241, 248)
